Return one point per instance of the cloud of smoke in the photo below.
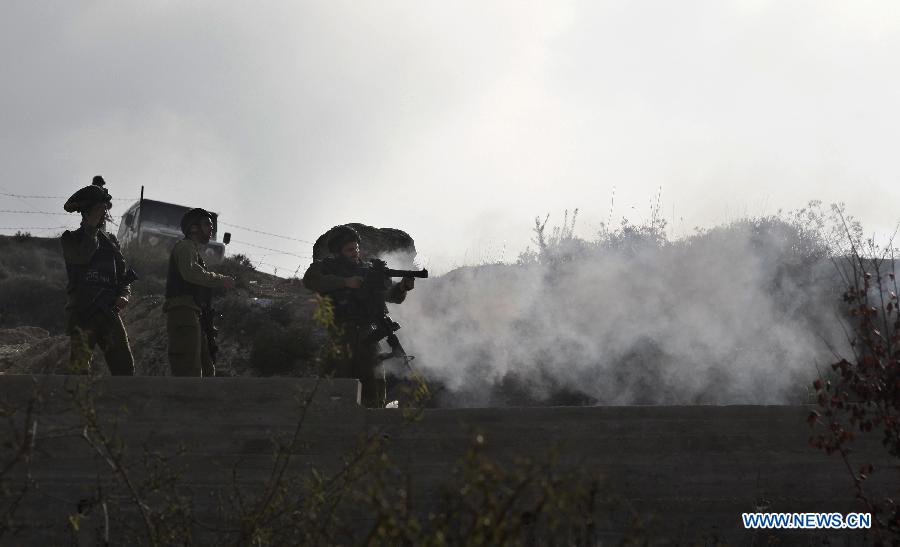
(741, 314)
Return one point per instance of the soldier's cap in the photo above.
(87, 197)
(340, 236)
(194, 216)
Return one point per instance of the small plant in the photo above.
(239, 267)
(15, 458)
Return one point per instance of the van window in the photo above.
(163, 213)
(170, 214)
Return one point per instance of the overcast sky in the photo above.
(457, 122)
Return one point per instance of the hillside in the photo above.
(745, 313)
(265, 324)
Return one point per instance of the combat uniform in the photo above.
(98, 276)
(360, 356)
(189, 288)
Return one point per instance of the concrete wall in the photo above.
(691, 471)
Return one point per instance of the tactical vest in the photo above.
(97, 280)
(350, 305)
(177, 286)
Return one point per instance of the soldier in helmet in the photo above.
(335, 277)
(99, 285)
(188, 294)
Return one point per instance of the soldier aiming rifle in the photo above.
(359, 291)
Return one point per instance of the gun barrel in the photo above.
(421, 274)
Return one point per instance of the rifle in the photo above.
(207, 323)
(372, 294)
(370, 312)
(380, 272)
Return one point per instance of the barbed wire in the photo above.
(275, 268)
(265, 233)
(35, 228)
(21, 196)
(257, 263)
(269, 249)
(38, 196)
(32, 212)
(260, 257)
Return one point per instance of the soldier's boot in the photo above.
(373, 386)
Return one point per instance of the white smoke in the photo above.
(743, 314)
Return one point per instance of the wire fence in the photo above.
(35, 228)
(32, 212)
(257, 263)
(21, 196)
(275, 251)
(265, 233)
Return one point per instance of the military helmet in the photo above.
(340, 236)
(87, 197)
(194, 216)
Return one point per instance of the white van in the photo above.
(158, 224)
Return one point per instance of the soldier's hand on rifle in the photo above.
(120, 304)
(228, 283)
(408, 283)
(354, 282)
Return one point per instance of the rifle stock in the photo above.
(207, 324)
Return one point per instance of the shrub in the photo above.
(279, 350)
(237, 266)
(861, 395)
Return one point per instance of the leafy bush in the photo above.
(280, 342)
(280, 350)
(861, 394)
(239, 267)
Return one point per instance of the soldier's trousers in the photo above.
(104, 330)
(188, 349)
(360, 361)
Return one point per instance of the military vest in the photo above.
(98, 279)
(353, 305)
(176, 285)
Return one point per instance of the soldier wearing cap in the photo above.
(335, 277)
(99, 285)
(188, 293)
